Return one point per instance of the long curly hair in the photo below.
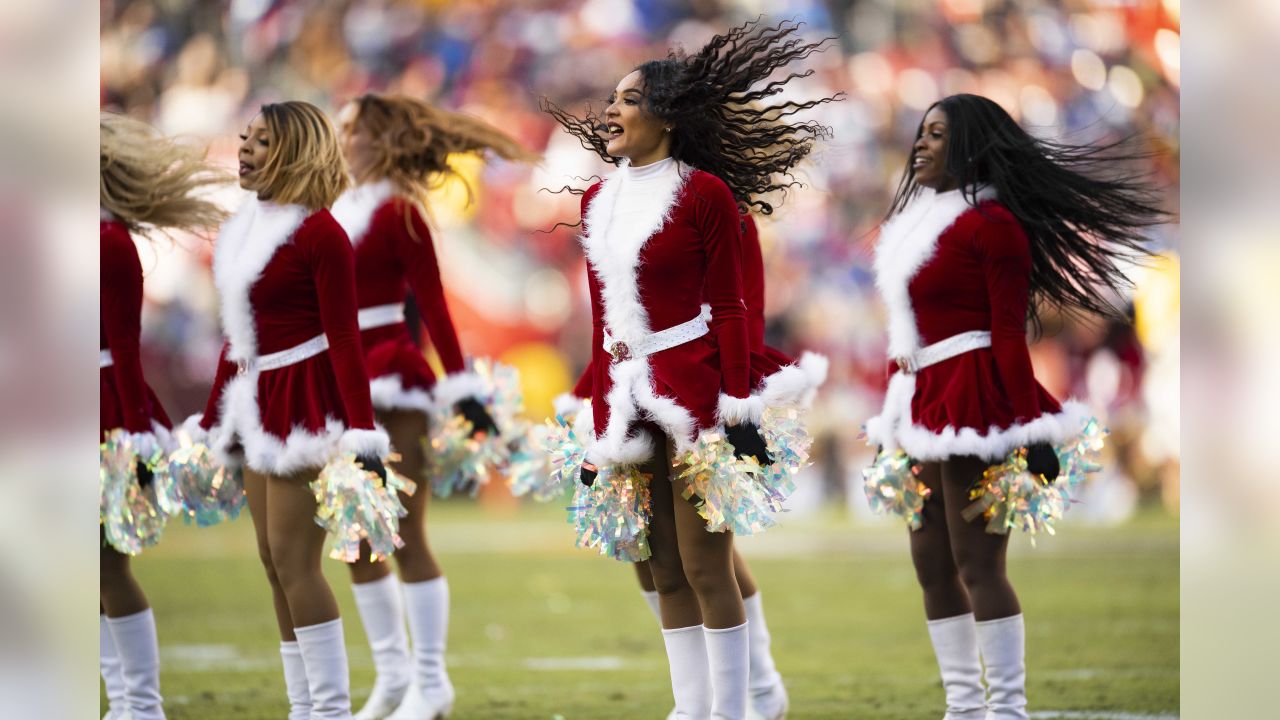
(1082, 207)
(412, 142)
(304, 161)
(716, 101)
(150, 181)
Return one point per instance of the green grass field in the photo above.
(541, 630)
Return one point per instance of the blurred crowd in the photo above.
(1079, 70)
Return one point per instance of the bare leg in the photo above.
(676, 599)
(708, 566)
(255, 489)
(979, 555)
(746, 581)
(296, 543)
(944, 595)
(119, 593)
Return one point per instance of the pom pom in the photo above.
(210, 492)
(612, 516)
(740, 495)
(555, 455)
(130, 514)
(893, 487)
(460, 463)
(1008, 496)
(354, 505)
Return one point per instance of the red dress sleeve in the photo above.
(753, 283)
(418, 256)
(333, 267)
(582, 389)
(226, 371)
(122, 322)
(1005, 255)
(717, 221)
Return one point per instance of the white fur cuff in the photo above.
(567, 404)
(389, 393)
(735, 410)
(366, 442)
(193, 429)
(815, 366)
(457, 386)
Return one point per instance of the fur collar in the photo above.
(355, 208)
(907, 241)
(245, 245)
(624, 213)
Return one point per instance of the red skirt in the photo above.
(399, 376)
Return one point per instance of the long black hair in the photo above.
(1082, 211)
(720, 124)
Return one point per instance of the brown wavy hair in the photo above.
(412, 142)
(304, 161)
(148, 180)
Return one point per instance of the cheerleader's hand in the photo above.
(587, 475)
(746, 440)
(372, 464)
(481, 422)
(145, 476)
(1042, 460)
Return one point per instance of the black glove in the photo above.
(481, 422)
(145, 477)
(373, 465)
(587, 475)
(1042, 460)
(746, 440)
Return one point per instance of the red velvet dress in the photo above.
(394, 252)
(768, 365)
(126, 401)
(286, 279)
(660, 240)
(945, 268)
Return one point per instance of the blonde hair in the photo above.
(304, 161)
(150, 180)
(412, 142)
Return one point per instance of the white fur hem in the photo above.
(147, 444)
(736, 411)
(389, 393)
(567, 404)
(192, 429)
(894, 428)
(457, 386)
(239, 422)
(365, 442)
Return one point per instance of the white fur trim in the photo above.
(239, 421)
(245, 245)
(567, 405)
(894, 428)
(365, 442)
(389, 393)
(617, 229)
(907, 241)
(147, 444)
(354, 209)
(736, 411)
(787, 386)
(815, 367)
(457, 386)
(192, 430)
(584, 423)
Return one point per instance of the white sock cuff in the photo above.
(427, 587)
(146, 616)
(722, 631)
(319, 631)
(966, 619)
(672, 632)
(290, 647)
(1001, 622)
(383, 585)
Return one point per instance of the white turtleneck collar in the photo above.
(651, 171)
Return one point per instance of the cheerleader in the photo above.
(662, 235)
(147, 182)
(768, 695)
(397, 147)
(988, 224)
(291, 393)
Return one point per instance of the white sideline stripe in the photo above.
(1094, 673)
(207, 658)
(1092, 715)
(607, 662)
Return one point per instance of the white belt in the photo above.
(379, 315)
(944, 350)
(285, 358)
(658, 341)
(104, 359)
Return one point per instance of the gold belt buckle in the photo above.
(242, 367)
(905, 364)
(620, 351)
